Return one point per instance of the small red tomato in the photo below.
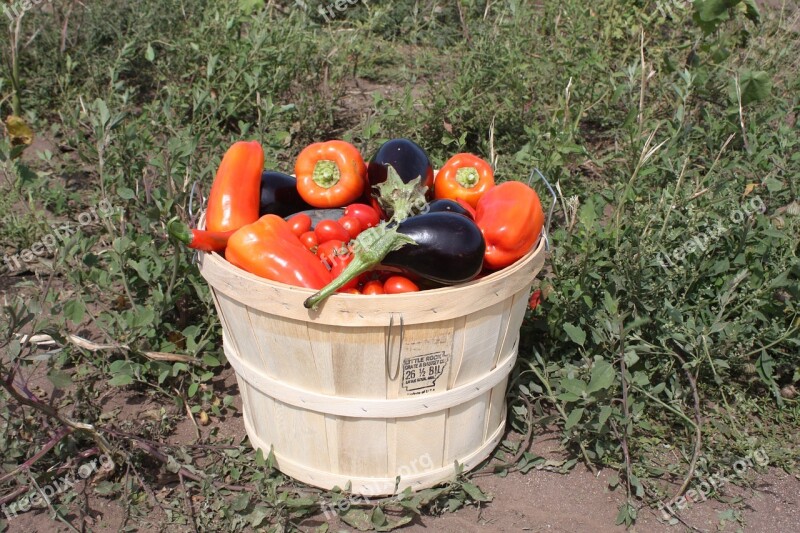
(399, 285)
(309, 240)
(328, 250)
(373, 287)
(349, 291)
(536, 299)
(364, 213)
(352, 225)
(300, 223)
(328, 230)
(340, 262)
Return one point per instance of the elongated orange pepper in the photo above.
(269, 249)
(236, 192)
(511, 218)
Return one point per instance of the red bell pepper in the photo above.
(269, 249)
(510, 217)
(330, 174)
(464, 177)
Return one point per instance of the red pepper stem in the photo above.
(467, 177)
(326, 174)
(370, 248)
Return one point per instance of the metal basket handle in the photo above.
(389, 337)
(552, 206)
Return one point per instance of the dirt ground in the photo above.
(538, 501)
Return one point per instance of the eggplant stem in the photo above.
(326, 174)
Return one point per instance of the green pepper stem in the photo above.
(370, 248)
(467, 177)
(326, 174)
(179, 231)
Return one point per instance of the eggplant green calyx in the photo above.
(370, 247)
(401, 200)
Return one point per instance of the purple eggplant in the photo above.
(279, 195)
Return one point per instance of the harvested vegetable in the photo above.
(407, 158)
(510, 217)
(205, 241)
(269, 249)
(235, 195)
(330, 174)
(466, 177)
(279, 195)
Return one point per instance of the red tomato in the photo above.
(352, 225)
(373, 287)
(300, 223)
(340, 262)
(364, 213)
(328, 250)
(399, 284)
(329, 230)
(349, 291)
(309, 240)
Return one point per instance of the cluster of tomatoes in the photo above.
(330, 240)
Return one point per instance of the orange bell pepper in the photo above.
(330, 174)
(235, 195)
(510, 217)
(269, 249)
(464, 177)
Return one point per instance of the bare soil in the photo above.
(538, 501)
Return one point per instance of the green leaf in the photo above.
(121, 380)
(258, 515)
(359, 519)
(60, 380)
(605, 413)
(714, 10)
(752, 11)
(573, 418)
(575, 333)
(150, 54)
(193, 389)
(378, 518)
(575, 386)
(74, 311)
(755, 86)
(211, 361)
(602, 376)
(475, 493)
(241, 502)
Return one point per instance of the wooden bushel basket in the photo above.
(369, 388)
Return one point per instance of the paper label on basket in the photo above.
(421, 372)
